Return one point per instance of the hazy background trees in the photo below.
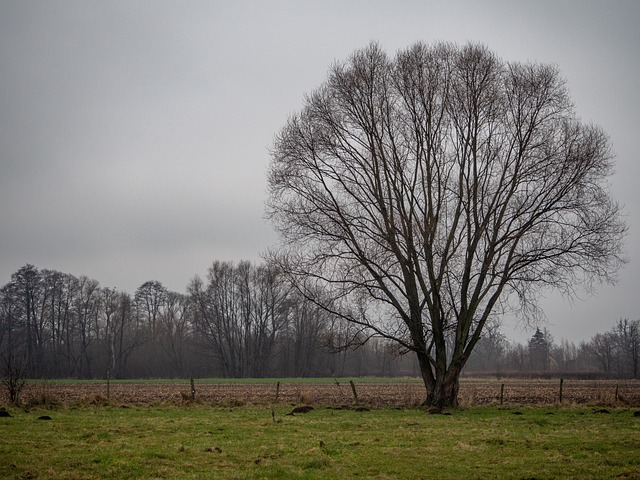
(244, 320)
(239, 314)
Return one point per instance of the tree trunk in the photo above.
(442, 390)
(446, 391)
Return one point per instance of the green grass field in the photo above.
(257, 442)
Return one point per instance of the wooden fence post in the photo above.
(353, 389)
(277, 390)
(193, 390)
(501, 394)
(561, 383)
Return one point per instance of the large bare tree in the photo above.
(431, 191)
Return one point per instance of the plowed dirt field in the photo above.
(407, 393)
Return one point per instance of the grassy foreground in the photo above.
(257, 442)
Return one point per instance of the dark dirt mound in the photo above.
(301, 409)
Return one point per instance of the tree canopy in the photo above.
(428, 192)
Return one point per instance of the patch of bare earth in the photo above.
(472, 392)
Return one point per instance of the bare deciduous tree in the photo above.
(12, 374)
(431, 191)
(150, 300)
(628, 340)
(87, 309)
(239, 314)
(174, 332)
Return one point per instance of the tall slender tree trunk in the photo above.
(427, 377)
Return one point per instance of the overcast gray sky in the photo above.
(134, 135)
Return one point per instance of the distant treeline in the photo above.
(242, 320)
(613, 354)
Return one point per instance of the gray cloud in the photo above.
(134, 136)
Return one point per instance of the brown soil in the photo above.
(472, 392)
